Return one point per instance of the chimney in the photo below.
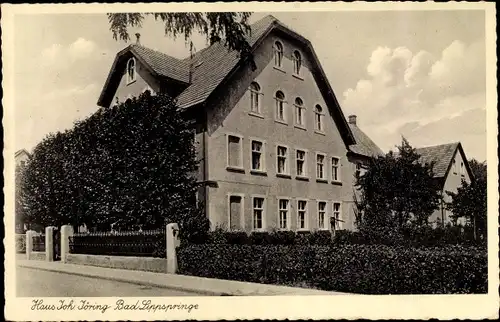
(352, 119)
(138, 38)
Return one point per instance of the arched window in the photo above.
(255, 97)
(278, 54)
(299, 112)
(297, 62)
(131, 70)
(318, 111)
(280, 106)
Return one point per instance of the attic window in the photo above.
(198, 64)
(131, 72)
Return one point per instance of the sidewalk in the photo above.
(200, 285)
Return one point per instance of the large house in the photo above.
(450, 168)
(276, 150)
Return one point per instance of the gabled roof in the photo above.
(364, 145)
(214, 65)
(19, 152)
(442, 155)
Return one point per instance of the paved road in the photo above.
(39, 283)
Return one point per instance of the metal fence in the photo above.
(149, 243)
(21, 243)
(39, 243)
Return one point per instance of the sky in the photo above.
(417, 74)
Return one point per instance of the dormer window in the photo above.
(297, 62)
(278, 54)
(131, 72)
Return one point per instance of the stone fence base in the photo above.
(148, 264)
(38, 256)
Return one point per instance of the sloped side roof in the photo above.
(441, 154)
(216, 63)
(364, 145)
(19, 152)
(163, 64)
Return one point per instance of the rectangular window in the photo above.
(258, 213)
(321, 215)
(257, 156)
(335, 169)
(454, 166)
(336, 215)
(282, 160)
(320, 166)
(234, 151)
(283, 213)
(301, 163)
(462, 169)
(302, 214)
(235, 212)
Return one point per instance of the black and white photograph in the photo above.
(162, 157)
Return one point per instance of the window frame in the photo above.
(306, 214)
(278, 60)
(325, 166)
(258, 94)
(454, 166)
(321, 116)
(264, 205)
(240, 167)
(325, 217)
(129, 79)
(288, 210)
(304, 166)
(334, 202)
(297, 69)
(276, 109)
(339, 177)
(242, 210)
(302, 109)
(263, 169)
(287, 161)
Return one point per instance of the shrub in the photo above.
(367, 269)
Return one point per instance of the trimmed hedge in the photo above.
(365, 269)
(425, 236)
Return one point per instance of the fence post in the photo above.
(173, 241)
(49, 244)
(29, 244)
(66, 233)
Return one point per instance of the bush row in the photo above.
(424, 236)
(365, 269)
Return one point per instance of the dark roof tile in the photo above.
(162, 64)
(441, 154)
(364, 145)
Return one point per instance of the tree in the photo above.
(470, 200)
(131, 165)
(397, 190)
(233, 26)
(19, 210)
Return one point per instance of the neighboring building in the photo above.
(22, 157)
(358, 155)
(450, 168)
(275, 147)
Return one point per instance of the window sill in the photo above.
(131, 82)
(300, 127)
(302, 230)
(256, 114)
(337, 183)
(283, 175)
(259, 172)
(322, 180)
(323, 229)
(279, 69)
(281, 122)
(298, 77)
(235, 169)
(303, 178)
(319, 132)
(258, 230)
